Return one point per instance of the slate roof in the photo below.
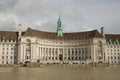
(113, 37)
(67, 36)
(53, 35)
(8, 35)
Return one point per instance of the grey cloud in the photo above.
(8, 26)
(7, 5)
(46, 10)
(77, 15)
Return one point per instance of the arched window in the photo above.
(28, 49)
(28, 42)
(99, 44)
(100, 55)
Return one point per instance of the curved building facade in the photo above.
(58, 47)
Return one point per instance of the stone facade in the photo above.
(68, 48)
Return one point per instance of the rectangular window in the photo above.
(68, 58)
(2, 62)
(11, 57)
(111, 61)
(6, 62)
(108, 57)
(76, 58)
(65, 58)
(2, 57)
(90, 57)
(79, 58)
(72, 58)
(118, 57)
(14, 57)
(6, 57)
(56, 58)
(114, 57)
(111, 57)
(49, 58)
(52, 58)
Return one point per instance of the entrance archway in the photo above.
(61, 57)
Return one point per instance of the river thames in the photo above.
(60, 73)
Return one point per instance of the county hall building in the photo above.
(58, 47)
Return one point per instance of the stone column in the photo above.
(44, 54)
(47, 53)
(74, 53)
(63, 53)
(70, 53)
(58, 51)
(37, 52)
(54, 53)
(77, 54)
(41, 52)
(67, 54)
(51, 54)
(81, 53)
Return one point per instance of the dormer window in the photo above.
(117, 41)
(11, 39)
(3, 38)
(114, 42)
(110, 41)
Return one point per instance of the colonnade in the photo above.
(68, 53)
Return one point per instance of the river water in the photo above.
(60, 73)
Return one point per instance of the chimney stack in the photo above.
(19, 31)
(102, 31)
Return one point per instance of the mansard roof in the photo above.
(67, 36)
(33, 32)
(112, 37)
(8, 35)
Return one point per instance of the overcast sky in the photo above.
(76, 15)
